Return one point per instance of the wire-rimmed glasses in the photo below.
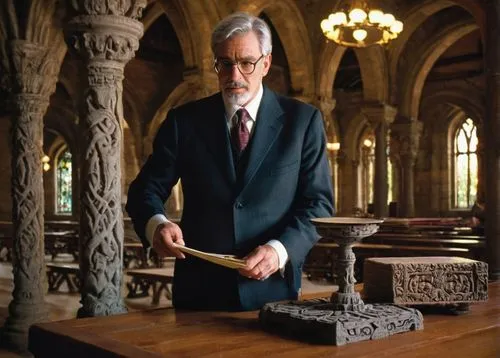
(245, 67)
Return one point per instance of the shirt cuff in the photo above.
(282, 254)
(153, 224)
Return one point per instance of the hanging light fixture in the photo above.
(361, 27)
(45, 163)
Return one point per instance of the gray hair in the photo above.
(241, 23)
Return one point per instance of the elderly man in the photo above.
(254, 171)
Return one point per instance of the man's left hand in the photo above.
(261, 263)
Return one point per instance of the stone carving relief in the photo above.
(106, 34)
(129, 8)
(34, 68)
(405, 140)
(105, 46)
(101, 227)
(27, 194)
(328, 326)
(438, 283)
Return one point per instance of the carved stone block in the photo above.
(425, 280)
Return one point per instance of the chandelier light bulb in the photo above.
(357, 16)
(46, 167)
(342, 18)
(45, 159)
(375, 16)
(397, 27)
(388, 20)
(326, 25)
(359, 34)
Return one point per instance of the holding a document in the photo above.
(254, 171)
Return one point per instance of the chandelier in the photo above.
(361, 27)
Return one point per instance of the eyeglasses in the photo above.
(245, 67)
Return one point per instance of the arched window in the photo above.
(367, 170)
(64, 183)
(465, 155)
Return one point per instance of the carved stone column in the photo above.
(33, 77)
(491, 136)
(380, 117)
(326, 106)
(405, 141)
(348, 177)
(106, 35)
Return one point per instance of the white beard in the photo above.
(237, 98)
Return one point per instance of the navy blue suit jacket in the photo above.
(284, 183)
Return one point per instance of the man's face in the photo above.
(237, 87)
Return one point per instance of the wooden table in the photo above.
(167, 332)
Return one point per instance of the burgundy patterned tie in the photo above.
(240, 132)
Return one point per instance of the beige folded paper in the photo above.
(224, 260)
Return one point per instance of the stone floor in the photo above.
(63, 305)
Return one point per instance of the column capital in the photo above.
(378, 113)
(33, 69)
(405, 140)
(325, 104)
(105, 31)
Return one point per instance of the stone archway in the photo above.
(417, 69)
(374, 73)
(417, 14)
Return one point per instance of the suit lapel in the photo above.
(215, 133)
(267, 127)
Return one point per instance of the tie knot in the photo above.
(243, 115)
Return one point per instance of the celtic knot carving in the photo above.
(27, 194)
(101, 221)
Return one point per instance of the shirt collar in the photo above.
(252, 107)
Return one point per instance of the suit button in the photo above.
(238, 205)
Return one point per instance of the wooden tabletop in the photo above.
(171, 333)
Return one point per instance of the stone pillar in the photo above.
(33, 77)
(326, 106)
(480, 164)
(491, 136)
(106, 35)
(405, 140)
(380, 116)
(348, 179)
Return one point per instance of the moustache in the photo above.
(235, 85)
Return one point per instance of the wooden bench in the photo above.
(158, 279)
(58, 273)
(58, 242)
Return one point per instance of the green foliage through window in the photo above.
(64, 183)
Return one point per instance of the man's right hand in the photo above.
(165, 236)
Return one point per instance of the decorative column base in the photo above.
(347, 301)
(14, 334)
(317, 321)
